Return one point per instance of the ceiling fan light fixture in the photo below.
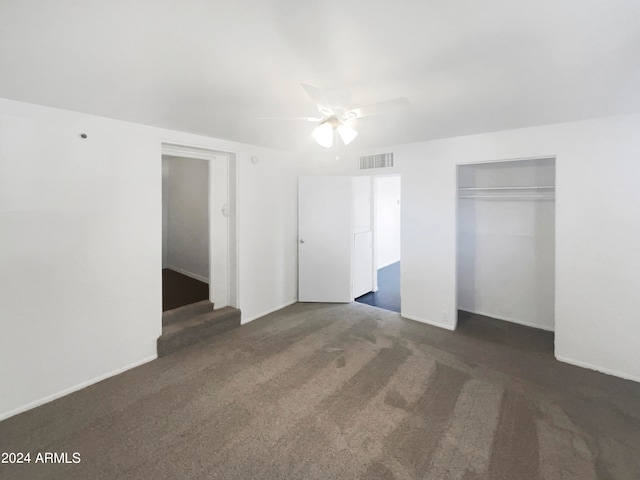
(323, 134)
(347, 134)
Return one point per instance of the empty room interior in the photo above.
(320, 240)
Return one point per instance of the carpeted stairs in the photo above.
(185, 326)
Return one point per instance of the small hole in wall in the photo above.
(83, 135)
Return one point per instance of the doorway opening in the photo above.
(199, 227)
(386, 214)
(185, 231)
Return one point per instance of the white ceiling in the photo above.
(215, 66)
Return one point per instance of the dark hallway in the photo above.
(179, 290)
(388, 294)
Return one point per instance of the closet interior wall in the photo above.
(506, 240)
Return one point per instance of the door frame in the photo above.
(223, 219)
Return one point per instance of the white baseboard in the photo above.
(255, 317)
(195, 276)
(75, 388)
(508, 319)
(429, 322)
(607, 371)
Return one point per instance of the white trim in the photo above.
(219, 233)
(234, 228)
(184, 151)
(518, 159)
(255, 317)
(429, 322)
(606, 371)
(75, 388)
(509, 319)
(170, 147)
(195, 276)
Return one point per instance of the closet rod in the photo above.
(509, 197)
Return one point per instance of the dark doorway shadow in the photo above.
(388, 294)
(179, 290)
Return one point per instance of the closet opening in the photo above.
(506, 250)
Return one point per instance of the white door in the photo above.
(362, 263)
(362, 237)
(325, 239)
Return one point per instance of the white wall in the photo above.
(187, 216)
(597, 323)
(81, 248)
(506, 245)
(387, 220)
(268, 199)
(597, 232)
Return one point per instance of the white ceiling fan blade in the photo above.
(377, 108)
(304, 119)
(317, 95)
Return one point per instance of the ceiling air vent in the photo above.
(382, 160)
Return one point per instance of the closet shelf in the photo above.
(490, 189)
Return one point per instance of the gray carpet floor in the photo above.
(321, 391)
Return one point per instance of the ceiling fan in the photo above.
(337, 118)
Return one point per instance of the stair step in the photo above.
(188, 311)
(188, 331)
